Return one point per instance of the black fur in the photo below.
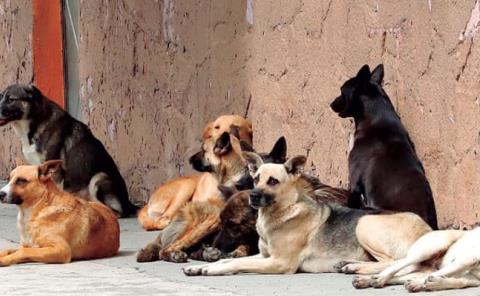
(383, 165)
(57, 135)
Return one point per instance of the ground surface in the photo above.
(123, 276)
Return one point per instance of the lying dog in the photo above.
(238, 235)
(383, 166)
(55, 226)
(212, 216)
(298, 233)
(439, 260)
(47, 132)
(169, 198)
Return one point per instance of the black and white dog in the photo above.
(383, 166)
(47, 132)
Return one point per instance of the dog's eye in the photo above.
(21, 181)
(217, 127)
(272, 181)
(256, 179)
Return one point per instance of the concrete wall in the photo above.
(152, 73)
(15, 65)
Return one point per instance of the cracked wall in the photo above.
(16, 64)
(153, 72)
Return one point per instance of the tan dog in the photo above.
(299, 234)
(55, 226)
(201, 216)
(173, 195)
(439, 260)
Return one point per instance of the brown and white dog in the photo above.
(298, 233)
(439, 260)
(55, 226)
(169, 198)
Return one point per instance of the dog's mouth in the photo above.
(4, 121)
(260, 201)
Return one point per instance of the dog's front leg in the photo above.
(7, 252)
(251, 264)
(57, 253)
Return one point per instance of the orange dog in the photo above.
(55, 226)
(173, 195)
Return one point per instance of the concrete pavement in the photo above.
(122, 275)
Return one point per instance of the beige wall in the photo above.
(153, 72)
(15, 65)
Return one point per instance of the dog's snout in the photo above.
(3, 194)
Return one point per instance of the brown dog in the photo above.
(201, 216)
(173, 195)
(55, 226)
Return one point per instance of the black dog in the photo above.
(47, 132)
(383, 165)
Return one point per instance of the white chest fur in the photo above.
(32, 156)
(22, 221)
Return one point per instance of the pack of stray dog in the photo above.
(243, 207)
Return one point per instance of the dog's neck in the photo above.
(22, 128)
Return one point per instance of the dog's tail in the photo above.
(101, 189)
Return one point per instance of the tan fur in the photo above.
(296, 231)
(169, 198)
(57, 227)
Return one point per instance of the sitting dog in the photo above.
(169, 198)
(47, 132)
(439, 260)
(298, 233)
(383, 166)
(199, 220)
(55, 226)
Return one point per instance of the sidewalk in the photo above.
(122, 275)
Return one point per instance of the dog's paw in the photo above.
(350, 268)
(339, 266)
(211, 254)
(363, 282)
(174, 256)
(241, 251)
(193, 270)
(148, 254)
(413, 286)
(162, 222)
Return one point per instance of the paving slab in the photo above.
(122, 275)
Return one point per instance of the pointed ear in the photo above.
(33, 91)
(226, 191)
(223, 145)
(279, 151)
(377, 75)
(254, 161)
(364, 74)
(246, 147)
(50, 170)
(235, 131)
(295, 164)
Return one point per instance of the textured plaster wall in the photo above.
(152, 73)
(15, 65)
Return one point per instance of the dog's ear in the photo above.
(226, 191)
(223, 144)
(33, 92)
(254, 161)
(246, 147)
(295, 164)
(235, 131)
(364, 74)
(377, 74)
(49, 170)
(279, 151)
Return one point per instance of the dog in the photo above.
(439, 260)
(47, 132)
(199, 220)
(384, 169)
(54, 225)
(299, 234)
(238, 236)
(169, 198)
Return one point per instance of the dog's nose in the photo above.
(3, 195)
(255, 196)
